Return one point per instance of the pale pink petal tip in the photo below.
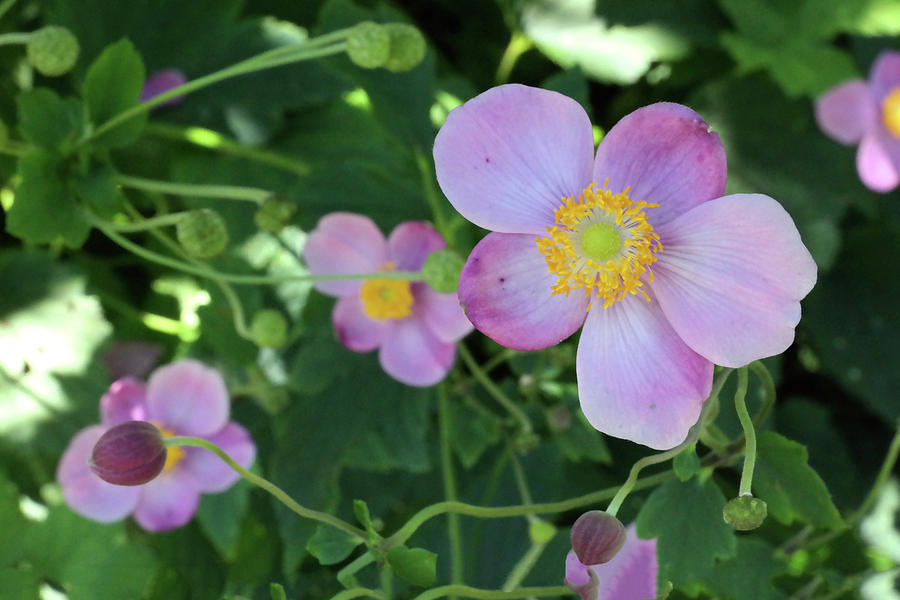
(210, 473)
(410, 244)
(344, 243)
(411, 354)
(188, 397)
(167, 502)
(874, 165)
(124, 401)
(847, 111)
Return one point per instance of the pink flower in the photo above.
(414, 328)
(182, 398)
(163, 81)
(631, 575)
(637, 243)
(868, 113)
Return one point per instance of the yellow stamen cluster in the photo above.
(890, 112)
(386, 298)
(174, 454)
(613, 278)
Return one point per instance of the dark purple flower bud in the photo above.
(161, 82)
(131, 453)
(597, 537)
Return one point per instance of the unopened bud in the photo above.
(274, 213)
(202, 233)
(407, 47)
(597, 537)
(369, 45)
(745, 512)
(441, 270)
(52, 50)
(269, 328)
(131, 453)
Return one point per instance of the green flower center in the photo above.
(601, 241)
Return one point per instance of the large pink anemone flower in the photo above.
(868, 113)
(414, 328)
(630, 575)
(637, 243)
(182, 398)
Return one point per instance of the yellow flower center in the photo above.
(890, 112)
(602, 244)
(386, 298)
(174, 454)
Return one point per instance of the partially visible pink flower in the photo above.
(182, 398)
(163, 81)
(676, 275)
(414, 328)
(868, 113)
(631, 575)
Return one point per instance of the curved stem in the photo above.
(281, 495)
(228, 192)
(760, 370)
(749, 433)
(523, 567)
(470, 592)
(887, 467)
(493, 390)
(8, 39)
(431, 196)
(453, 531)
(151, 223)
(346, 574)
(519, 44)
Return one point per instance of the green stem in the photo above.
(5, 6)
(363, 560)
(427, 177)
(213, 140)
(265, 60)
(493, 390)
(760, 370)
(470, 592)
(887, 467)
(453, 531)
(8, 39)
(306, 513)
(519, 44)
(228, 192)
(523, 567)
(749, 433)
(358, 592)
(151, 223)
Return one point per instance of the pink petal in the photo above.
(636, 379)
(355, 329)
(344, 243)
(188, 398)
(125, 401)
(884, 75)
(167, 502)
(505, 291)
(442, 313)
(84, 492)
(631, 575)
(731, 276)
(667, 155)
(410, 244)
(874, 165)
(506, 158)
(576, 572)
(847, 111)
(212, 474)
(161, 82)
(412, 355)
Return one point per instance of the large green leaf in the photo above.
(47, 120)
(112, 85)
(748, 576)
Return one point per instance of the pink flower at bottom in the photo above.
(868, 113)
(631, 575)
(414, 328)
(677, 276)
(182, 398)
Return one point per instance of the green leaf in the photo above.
(361, 510)
(581, 441)
(687, 463)
(276, 590)
(20, 582)
(415, 565)
(471, 433)
(330, 545)
(789, 486)
(686, 519)
(44, 209)
(47, 120)
(748, 576)
(112, 85)
(222, 515)
(99, 191)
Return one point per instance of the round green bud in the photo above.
(541, 532)
(369, 45)
(52, 50)
(269, 328)
(745, 512)
(597, 537)
(441, 270)
(407, 47)
(274, 213)
(202, 233)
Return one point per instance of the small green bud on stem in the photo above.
(52, 50)
(745, 513)
(202, 233)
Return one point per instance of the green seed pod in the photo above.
(369, 45)
(441, 270)
(269, 328)
(407, 47)
(274, 213)
(52, 50)
(202, 233)
(745, 512)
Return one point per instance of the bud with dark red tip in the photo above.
(131, 453)
(597, 537)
